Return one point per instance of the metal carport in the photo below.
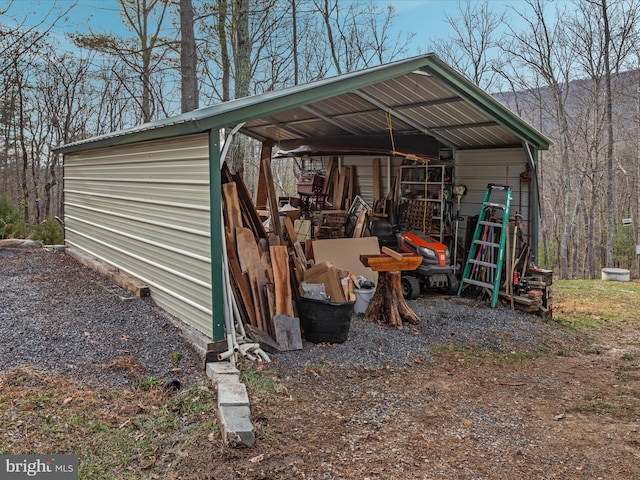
(420, 95)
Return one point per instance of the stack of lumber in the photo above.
(338, 285)
(261, 269)
(339, 184)
(532, 301)
(269, 270)
(524, 303)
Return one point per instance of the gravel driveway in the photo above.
(57, 314)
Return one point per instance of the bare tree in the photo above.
(473, 46)
(17, 41)
(543, 51)
(618, 40)
(65, 101)
(359, 35)
(142, 54)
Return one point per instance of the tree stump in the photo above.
(387, 306)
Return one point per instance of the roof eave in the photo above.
(486, 103)
(241, 110)
(235, 111)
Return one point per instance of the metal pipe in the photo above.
(236, 313)
(226, 354)
(232, 345)
(249, 356)
(239, 342)
(262, 354)
(245, 347)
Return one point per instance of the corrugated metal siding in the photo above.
(419, 100)
(473, 168)
(144, 208)
(364, 174)
(477, 168)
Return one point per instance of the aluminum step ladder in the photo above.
(484, 262)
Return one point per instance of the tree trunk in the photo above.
(242, 57)
(35, 169)
(326, 17)
(23, 146)
(387, 306)
(294, 36)
(145, 78)
(567, 223)
(188, 59)
(609, 123)
(224, 50)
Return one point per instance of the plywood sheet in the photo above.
(345, 253)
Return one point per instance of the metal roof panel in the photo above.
(420, 94)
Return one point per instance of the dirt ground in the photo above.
(466, 417)
(466, 413)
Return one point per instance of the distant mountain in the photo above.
(536, 106)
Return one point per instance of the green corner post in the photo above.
(215, 199)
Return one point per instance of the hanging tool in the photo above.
(511, 273)
(458, 192)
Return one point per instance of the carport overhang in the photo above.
(419, 96)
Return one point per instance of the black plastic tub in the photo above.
(325, 322)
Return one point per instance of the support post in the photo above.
(265, 162)
(216, 237)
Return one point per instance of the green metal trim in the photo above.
(484, 102)
(535, 199)
(215, 214)
(247, 108)
(269, 103)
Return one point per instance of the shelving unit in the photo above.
(429, 186)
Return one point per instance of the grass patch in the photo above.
(42, 400)
(591, 305)
(149, 383)
(259, 383)
(475, 356)
(123, 434)
(174, 358)
(595, 406)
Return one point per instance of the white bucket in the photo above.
(363, 297)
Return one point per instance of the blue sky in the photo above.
(425, 18)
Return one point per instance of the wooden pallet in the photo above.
(522, 303)
(417, 215)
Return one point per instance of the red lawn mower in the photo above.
(434, 272)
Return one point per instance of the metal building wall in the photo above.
(144, 208)
(473, 168)
(364, 174)
(477, 168)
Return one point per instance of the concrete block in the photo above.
(233, 394)
(235, 424)
(222, 372)
(222, 368)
